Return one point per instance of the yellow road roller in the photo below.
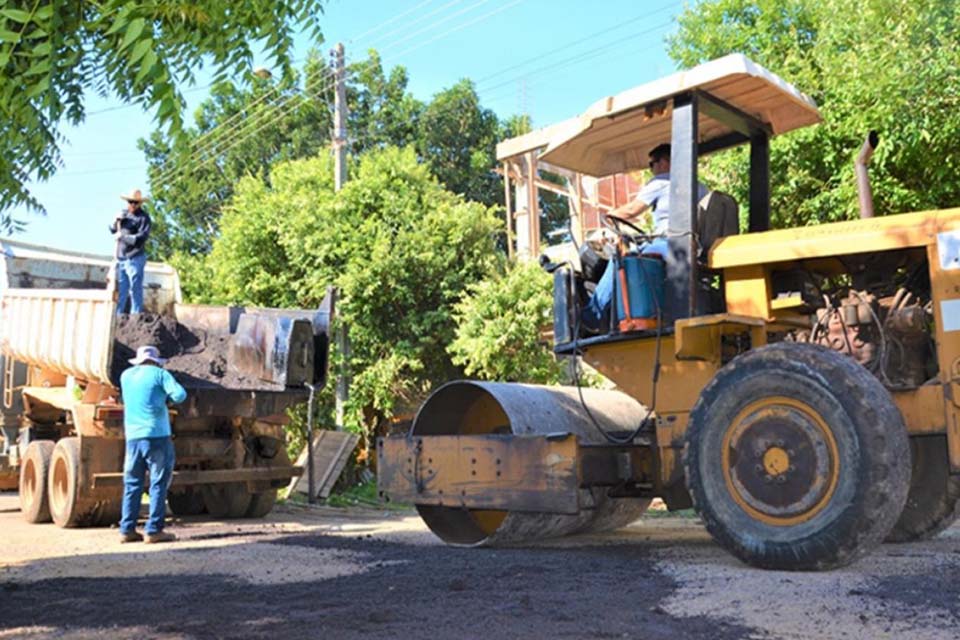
(800, 388)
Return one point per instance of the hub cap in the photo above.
(780, 461)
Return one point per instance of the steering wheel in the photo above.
(614, 224)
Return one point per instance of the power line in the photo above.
(489, 94)
(566, 46)
(199, 161)
(432, 25)
(420, 19)
(377, 27)
(460, 27)
(277, 105)
(579, 55)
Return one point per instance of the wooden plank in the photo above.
(330, 452)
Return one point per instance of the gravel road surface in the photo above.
(331, 573)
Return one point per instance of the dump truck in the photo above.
(799, 388)
(64, 347)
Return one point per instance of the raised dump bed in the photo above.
(64, 348)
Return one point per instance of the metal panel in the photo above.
(613, 135)
(759, 182)
(520, 473)
(66, 331)
(680, 291)
(883, 233)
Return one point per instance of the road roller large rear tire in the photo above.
(933, 503)
(797, 458)
(34, 470)
(229, 500)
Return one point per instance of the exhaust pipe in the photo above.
(863, 176)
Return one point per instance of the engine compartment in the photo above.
(874, 308)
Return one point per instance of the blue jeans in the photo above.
(130, 281)
(598, 306)
(156, 455)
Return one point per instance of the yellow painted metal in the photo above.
(630, 365)
(922, 409)
(945, 292)
(671, 429)
(699, 338)
(747, 291)
(776, 461)
(488, 473)
(773, 405)
(870, 235)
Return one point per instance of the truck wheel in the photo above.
(226, 500)
(261, 503)
(109, 512)
(797, 458)
(933, 503)
(67, 508)
(186, 503)
(33, 481)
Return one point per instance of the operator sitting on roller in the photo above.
(655, 197)
(146, 387)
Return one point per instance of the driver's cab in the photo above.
(714, 106)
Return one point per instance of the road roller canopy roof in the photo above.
(615, 134)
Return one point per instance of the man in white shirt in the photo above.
(653, 197)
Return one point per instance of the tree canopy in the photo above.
(244, 130)
(401, 249)
(53, 53)
(499, 324)
(866, 70)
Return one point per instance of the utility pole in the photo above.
(339, 120)
(339, 179)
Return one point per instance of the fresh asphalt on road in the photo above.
(333, 573)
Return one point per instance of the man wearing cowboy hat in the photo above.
(146, 387)
(131, 229)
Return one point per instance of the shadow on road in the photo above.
(399, 591)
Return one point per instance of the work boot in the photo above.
(160, 536)
(130, 536)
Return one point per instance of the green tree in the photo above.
(52, 53)
(240, 131)
(866, 71)
(499, 327)
(401, 249)
(457, 138)
(243, 131)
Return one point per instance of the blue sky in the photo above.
(549, 58)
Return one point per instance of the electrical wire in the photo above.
(347, 73)
(615, 264)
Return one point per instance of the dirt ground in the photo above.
(331, 573)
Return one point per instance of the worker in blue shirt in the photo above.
(146, 387)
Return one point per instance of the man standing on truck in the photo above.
(131, 228)
(146, 387)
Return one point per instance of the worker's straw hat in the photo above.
(133, 196)
(148, 353)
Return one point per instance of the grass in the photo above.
(359, 495)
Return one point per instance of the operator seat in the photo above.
(718, 216)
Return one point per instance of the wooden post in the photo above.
(342, 393)
(532, 208)
(509, 209)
